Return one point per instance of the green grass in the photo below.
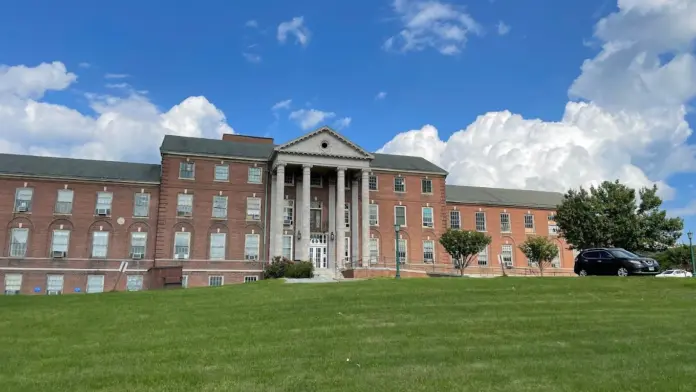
(514, 334)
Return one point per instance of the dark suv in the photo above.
(614, 261)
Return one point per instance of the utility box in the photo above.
(165, 277)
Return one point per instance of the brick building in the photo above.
(220, 209)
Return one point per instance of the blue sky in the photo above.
(169, 52)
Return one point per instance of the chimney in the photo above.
(246, 139)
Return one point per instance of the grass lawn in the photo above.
(514, 334)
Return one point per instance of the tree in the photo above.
(463, 246)
(678, 257)
(611, 216)
(539, 250)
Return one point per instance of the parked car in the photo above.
(614, 261)
(674, 273)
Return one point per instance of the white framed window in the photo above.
(134, 282)
(220, 207)
(374, 250)
(288, 212)
(104, 201)
(18, 242)
(289, 178)
(60, 243)
(184, 281)
(138, 245)
(184, 204)
(187, 170)
(251, 246)
(54, 284)
(399, 184)
(506, 255)
(64, 201)
(374, 214)
(253, 211)
(222, 172)
(553, 230)
(529, 223)
(315, 180)
(505, 225)
(402, 251)
(428, 251)
(100, 244)
(95, 284)
(249, 279)
(13, 284)
(483, 257)
(426, 185)
(480, 218)
(23, 199)
(216, 280)
(182, 245)
(255, 175)
(346, 215)
(400, 215)
(141, 204)
(455, 220)
(372, 181)
(217, 246)
(427, 214)
(287, 247)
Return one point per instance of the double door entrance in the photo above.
(318, 250)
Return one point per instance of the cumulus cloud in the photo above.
(343, 123)
(310, 118)
(294, 27)
(628, 121)
(128, 127)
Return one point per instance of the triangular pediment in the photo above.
(324, 142)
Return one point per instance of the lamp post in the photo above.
(397, 228)
(691, 249)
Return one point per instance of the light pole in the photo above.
(691, 249)
(397, 228)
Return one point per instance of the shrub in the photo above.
(277, 268)
(299, 270)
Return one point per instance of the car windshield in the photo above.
(668, 272)
(623, 253)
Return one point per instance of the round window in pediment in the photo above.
(324, 144)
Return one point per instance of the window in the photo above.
(13, 284)
(104, 200)
(374, 250)
(220, 207)
(426, 185)
(100, 244)
(59, 243)
(288, 212)
(315, 180)
(505, 222)
(54, 284)
(373, 183)
(217, 246)
(141, 207)
(138, 245)
(95, 283)
(253, 208)
(18, 242)
(483, 257)
(402, 251)
(374, 215)
(287, 247)
(182, 244)
(134, 282)
(254, 176)
(222, 173)
(480, 221)
(184, 281)
(249, 279)
(529, 223)
(400, 215)
(348, 182)
(428, 251)
(23, 199)
(187, 170)
(506, 255)
(428, 217)
(315, 218)
(184, 205)
(455, 220)
(553, 227)
(289, 178)
(64, 201)
(346, 215)
(399, 184)
(216, 280)
(251, 247)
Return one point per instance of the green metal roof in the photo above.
(502, 197)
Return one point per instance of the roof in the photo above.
(405, 162)
(68, 168)
(502, 197)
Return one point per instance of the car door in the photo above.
(607, 264)
(590, 262)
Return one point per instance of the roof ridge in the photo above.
(503, 189)
(77, 159)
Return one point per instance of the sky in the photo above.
(534, 94)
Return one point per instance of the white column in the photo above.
(354, 225)
(365, 238)
(340, 213)
(279, 208)
(304, 226)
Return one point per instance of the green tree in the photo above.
(678, 257)
(612, 215)
(539, 250)
(463, 246)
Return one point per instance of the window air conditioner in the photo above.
(53, 292)
(58, 254)
(136, 256)
(102, 211)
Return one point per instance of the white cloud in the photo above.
(381, 95)
(117, 85)
(84, 65)
(282, 105)
(503, 29)
(116, 76)
(310, 118)
(251, 57)
(629, 124)
(121, 128)
(296, 28)
(343, 123)
(251, 23)
(431, 24)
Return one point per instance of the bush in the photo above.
(299, 270)
(282, 267)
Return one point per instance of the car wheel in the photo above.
(582, 272)
(622, 271)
